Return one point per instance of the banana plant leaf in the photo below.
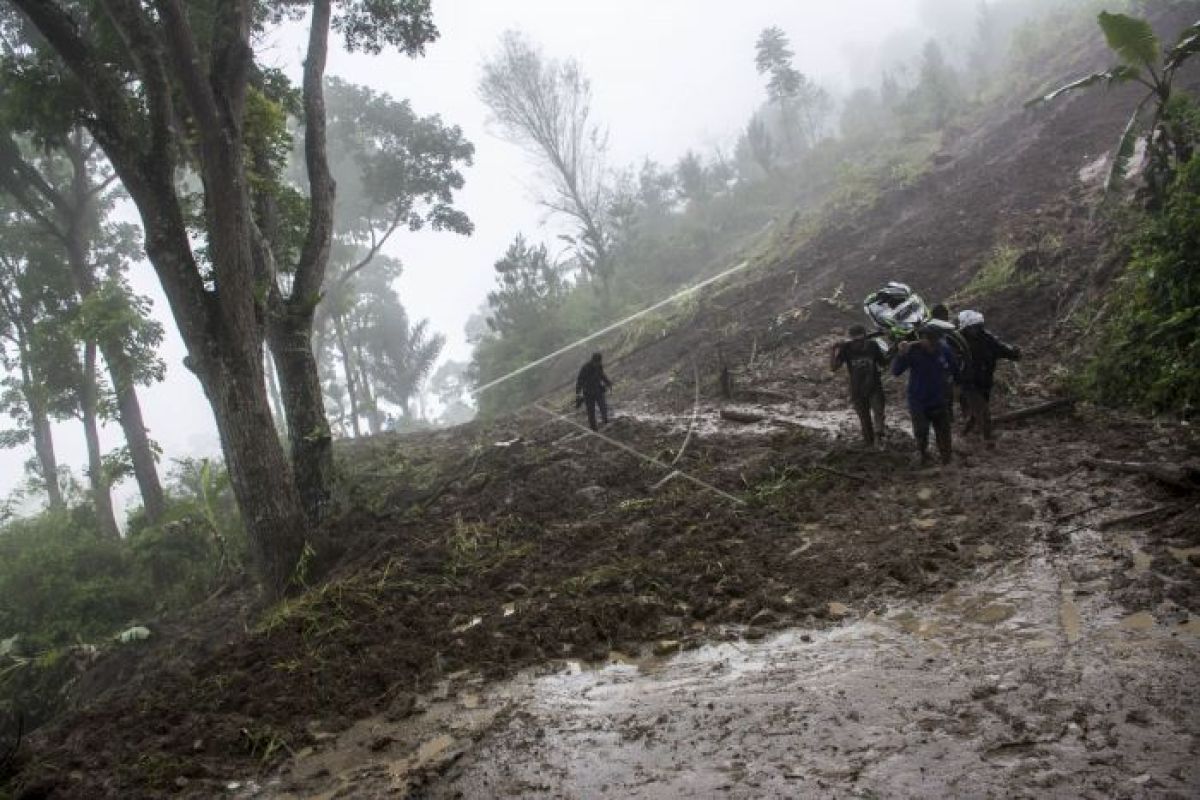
(1188, 45)
(1131, 38)
(1118, 74)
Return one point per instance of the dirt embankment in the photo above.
(490, 548)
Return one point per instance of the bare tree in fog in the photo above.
(544, 105)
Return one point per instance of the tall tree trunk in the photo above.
(120, 367)
(348, 367)
(290, 336)
(88, 404)
(43, 439)
(374, 415)
(259, 470)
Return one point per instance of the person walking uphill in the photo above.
(927, 362)
(863, 358)
(590, 387)
(976, 382)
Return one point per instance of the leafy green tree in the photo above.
(172, 87)
(802, 104)
(402, 355)
(26, 396)
(395, 171)
(522, 320)
(757, 146)
(54, 355)
(373, 353)
(938, 96)
(61, 183)
(1169, 127)
(773, 57)
(545, 106)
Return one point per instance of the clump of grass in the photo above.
(999, 272)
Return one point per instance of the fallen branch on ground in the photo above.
(841, 474)
(1138, 517)
(1033, 411)
(767, 395)
(1067, 517)
(1181, 476)
(744, 417)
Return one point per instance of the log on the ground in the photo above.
(1139, 517)
(1033, 411)
(766, 395)
(1181, 476)
(745, 417)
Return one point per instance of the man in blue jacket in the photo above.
(928, 361)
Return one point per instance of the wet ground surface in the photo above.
(1062, 662)
(1021, 682)
(532, 611)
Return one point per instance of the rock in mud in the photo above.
(592, 494)
(667, 647)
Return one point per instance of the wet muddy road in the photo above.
(1024, 682)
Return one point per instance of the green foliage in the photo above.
(60, 580)
(1143, 61)
(998, 272)
(1149, 352)
(1131, 38)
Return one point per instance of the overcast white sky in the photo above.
(667, 75)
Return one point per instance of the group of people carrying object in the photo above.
(942, 360)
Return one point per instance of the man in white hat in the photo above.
(975, 383)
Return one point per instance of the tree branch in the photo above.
(187, 67)
(310, 272)
(376, 246)
(111, 122)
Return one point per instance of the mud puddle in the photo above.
(1020, 682)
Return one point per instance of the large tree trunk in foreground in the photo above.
(259, 470)
(88, 402)
(290, 338)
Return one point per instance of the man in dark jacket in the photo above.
(590, 387)
(863, 358)
(976, 383)
(962, 356)
(927, 362)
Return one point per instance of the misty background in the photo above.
(666, 77)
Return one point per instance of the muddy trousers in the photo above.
(593, 404)
(939, 420)
(979, 412)
(870, 416)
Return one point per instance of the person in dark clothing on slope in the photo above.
(863, 358)
(590, 387)
(962, 356)
(927, 362)
(976, 383)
